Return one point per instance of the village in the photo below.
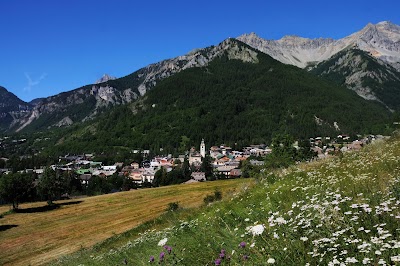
(225, 161)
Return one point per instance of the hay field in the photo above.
(37, 235)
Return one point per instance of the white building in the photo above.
(202, 149)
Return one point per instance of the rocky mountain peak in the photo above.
(105, 78)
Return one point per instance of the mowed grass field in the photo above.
(37, 235)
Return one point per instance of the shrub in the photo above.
(211, 198)
(173, 206)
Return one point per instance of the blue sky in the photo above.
(51, 46)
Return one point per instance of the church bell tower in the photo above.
(203, 149)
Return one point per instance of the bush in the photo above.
(211, 198)
(173, 206)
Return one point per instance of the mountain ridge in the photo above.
(382, 40)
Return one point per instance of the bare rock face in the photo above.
(105, 78)
(66, 121)
(381, 40)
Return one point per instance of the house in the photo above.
(221, 160)
(226, 150)
(225, 169)
(215, 151)
(199, 176)
(148, 176)
(195, 158)
(136, 175)
(355, 145)
(235, 173)
(241, 158)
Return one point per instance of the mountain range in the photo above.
(366, 62)
(382, 41)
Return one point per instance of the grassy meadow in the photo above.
(340, 211)
(38, 234)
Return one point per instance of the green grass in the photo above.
(341, 210)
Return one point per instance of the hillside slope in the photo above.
(343, 210)
(233, 102)
(361, 72)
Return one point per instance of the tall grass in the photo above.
(341, 211)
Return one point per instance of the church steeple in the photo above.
(202, 149)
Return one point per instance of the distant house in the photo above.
(195, 158)
(235, 173)
(136, 175)
(199, 176)
(355, 145)
(148, 176)
(241, 158)
(225, 169)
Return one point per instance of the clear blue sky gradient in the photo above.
(51, 46)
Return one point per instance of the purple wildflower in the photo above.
(222, 255)
(217, 262)
(242, 244)
(162, 255)
(168, 248)
(151, 259)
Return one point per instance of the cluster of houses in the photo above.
(326, 146)
(224, 160)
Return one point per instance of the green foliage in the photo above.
(173, 206)
(284, 153)
(217, 196)
(179, 174)
(15, 188)
(207, 167)
(52, 185)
